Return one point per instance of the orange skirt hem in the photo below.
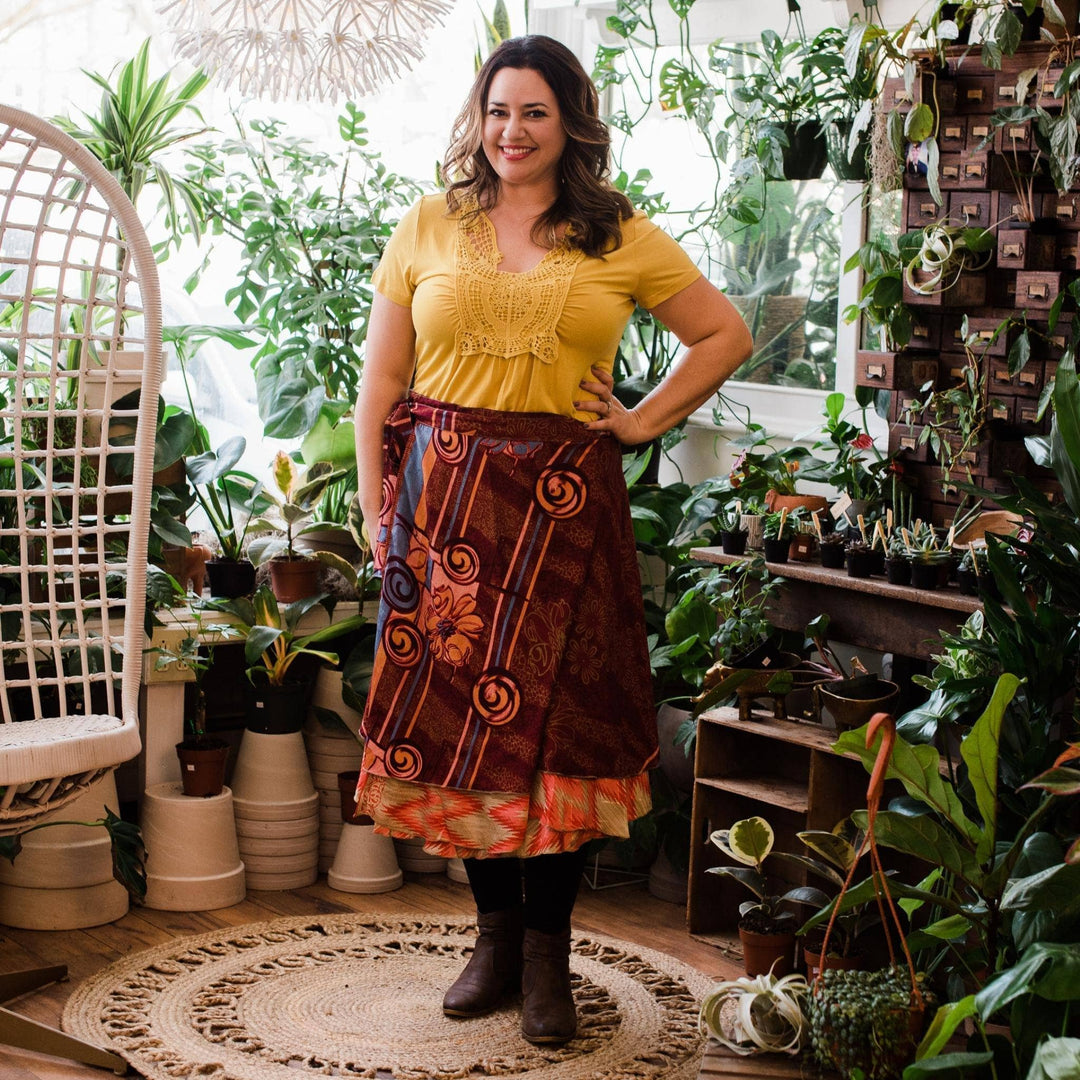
(561, 813)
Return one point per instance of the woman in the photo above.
(510, 717)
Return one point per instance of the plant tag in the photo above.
(837, 509)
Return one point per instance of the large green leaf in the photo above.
(947, 1019)
(128, 854)
(1049, 969)
(928, 840)
(980, 752)
(919, 769)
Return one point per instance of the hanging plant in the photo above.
(757, 1015)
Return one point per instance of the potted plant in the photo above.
(779, 532)
(760, 1015)
(858, 482)
(778, 96)
(203, 758)
(294, 573)
(733, 535)
(928, 555)
(272, 645)
(766, 927)
(760, 471)
(225, 493)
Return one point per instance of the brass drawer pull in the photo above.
(1066, 210)
(875, 371)
(974, 93)
(975, 168)
(1038, 290)
(1012, 251)
(1017, 133)
(971, 210)
(951, 171)
(980, 132)
(954, 133)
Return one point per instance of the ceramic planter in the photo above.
(775, 502)
(230, 578)
(364, 862)
(763, 953)
(852, 702)
(294, 579)
(202, 766)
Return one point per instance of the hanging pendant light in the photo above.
(303, 49)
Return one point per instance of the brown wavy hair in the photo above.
(587, 204)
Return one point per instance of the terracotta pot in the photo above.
(763, 953)
(202, 767)
(294, 579)
(812, 960)
(776, 502)
(347, 790)
(338, 540)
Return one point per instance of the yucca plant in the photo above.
(134, 126)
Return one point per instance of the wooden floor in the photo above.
(626, 912)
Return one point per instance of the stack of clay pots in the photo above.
(365, 861)
(62, 879)
(331, 748)
(193, 858)
(277, 811)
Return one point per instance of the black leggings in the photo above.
(549, 883)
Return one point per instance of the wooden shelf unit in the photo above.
(781, 770)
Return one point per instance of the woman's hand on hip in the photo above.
(611, 415)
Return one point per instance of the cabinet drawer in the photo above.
(1013, 138)
(894, 371)
(1066, 250)
(1005, 209)
(1024, 249)
(1026, 383)
(969, 290)
(1037, 288)
(952, 369)
(974, 93)
(1055, 343)
(920, 209)
(952, 136)
(926, 332)
(980, 135)
(964, 170)
(986, 343)
(904, 408)
(1065, 209)
(970, 208)
(904, 439)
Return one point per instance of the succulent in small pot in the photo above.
(780, 529)
(733, 535)
(860, 559)
(831, 547)
(973, 573)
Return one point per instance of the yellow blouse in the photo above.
(519, 342)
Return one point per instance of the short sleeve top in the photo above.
(520, 342)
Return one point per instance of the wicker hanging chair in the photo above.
(80, 367)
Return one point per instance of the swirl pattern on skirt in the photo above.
(496, 696)
(561, 493)
(461, 562)
(451, 446)
(404, 644)
(400, 587)
(403, 760)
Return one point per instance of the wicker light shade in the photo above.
(303, 49)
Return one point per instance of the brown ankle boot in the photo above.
(493, 972)
(548, 1015)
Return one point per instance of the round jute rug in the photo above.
(360, 995)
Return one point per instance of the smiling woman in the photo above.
(510, 715)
